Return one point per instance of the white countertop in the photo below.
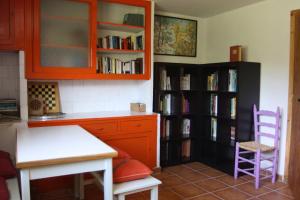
(101, 114)
(58, 144)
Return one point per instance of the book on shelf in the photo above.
(232, 135)
(131, 42)
(232, 80)
(212, 82)
(8, 105)
(233, 107)
(186, 127)
(185, 82)
(213, 129)
(185, 105)
(168, 128)
(108, 65)
(186, 149)
(168, 83)
(213, 104)
(165, 128)
(167, 104)
(163, 79)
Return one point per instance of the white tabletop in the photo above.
(58, 144)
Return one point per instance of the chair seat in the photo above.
(254, 146)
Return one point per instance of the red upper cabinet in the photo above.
(88, 39)
(11, 24)
(64, 43)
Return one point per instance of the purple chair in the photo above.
(262, 128)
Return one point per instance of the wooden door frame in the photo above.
(291, 94)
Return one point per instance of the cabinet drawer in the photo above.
(101, 128)
(136, 125)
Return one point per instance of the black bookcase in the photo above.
(220, 99)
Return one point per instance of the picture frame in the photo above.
(175, 36)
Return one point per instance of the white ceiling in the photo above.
(201, 8)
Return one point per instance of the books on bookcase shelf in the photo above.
(213, 104)
(165, 81)
(185, 104)
(167, 104)
(116, 42)
(232, 135)
(165, 128)
(213, 129)
(108, 65)
(186, 149)
(233, 107)
(186, 127)
(232, 80)
(212, 82)
(185, 82)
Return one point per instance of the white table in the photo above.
(61, 150)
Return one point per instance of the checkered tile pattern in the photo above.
(45, 91)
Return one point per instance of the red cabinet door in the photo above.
(7, 25)
(11, 24)
(64, 41)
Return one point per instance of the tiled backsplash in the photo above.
(96, 95)
(9, 75)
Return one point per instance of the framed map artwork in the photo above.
(175, 36)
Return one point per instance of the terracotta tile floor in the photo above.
(195, 181)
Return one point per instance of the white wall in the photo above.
(9, 75)
(200, 42)
(264, 29)
(95, 95)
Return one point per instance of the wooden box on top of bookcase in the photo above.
(204, 110)
(88, 39)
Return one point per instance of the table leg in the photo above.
(76, 185)
(25, 184)
(154, 193)
(108, 183)
(81, 186)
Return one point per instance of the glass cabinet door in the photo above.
(64, 34)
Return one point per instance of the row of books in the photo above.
(166, 104)
(185, 82)
(167, 128)
(232, 80)
(185, 105)
(212, 82)
(213, 104)
(8, 105)
(165, 81)
(232, 135)
(186, 127)
(108, 65)
(213, 129)
(185, 150)
(116, 42)
(233, 107)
